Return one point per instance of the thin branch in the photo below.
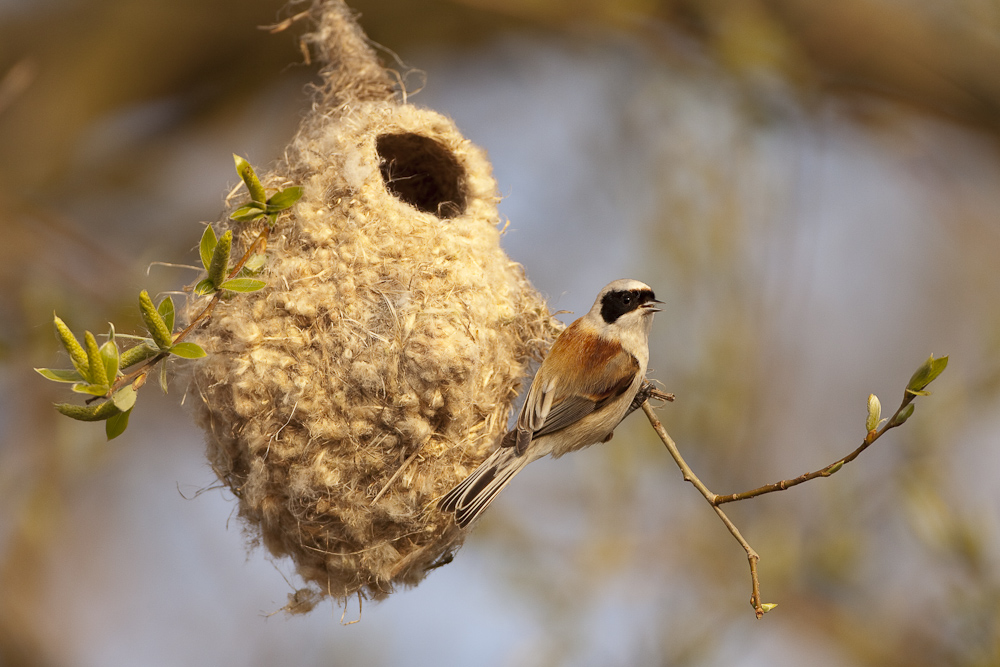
(259, 245)
(712, 499)
(915, 387)
(146, 366)
(826, 471)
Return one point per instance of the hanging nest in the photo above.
(379, 365)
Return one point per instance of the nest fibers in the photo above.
(378, 366)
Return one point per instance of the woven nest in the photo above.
(379, 365)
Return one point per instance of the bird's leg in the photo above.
(647, 391)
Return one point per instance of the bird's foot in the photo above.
(647, 391)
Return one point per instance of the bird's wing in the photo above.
(575, 407)
(554, 404)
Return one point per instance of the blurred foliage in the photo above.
(892, 563)
(936, 54)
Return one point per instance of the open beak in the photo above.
(651, 306)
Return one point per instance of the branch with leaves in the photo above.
(875, 428)
(99, 371)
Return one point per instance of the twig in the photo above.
(259, 245)
(915, 387)
(712, 499)
(870, 438)
(146, 366)
(399, 471)
(281, 26)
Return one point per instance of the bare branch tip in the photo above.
(661, 395)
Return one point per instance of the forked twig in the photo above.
(690, 476)
(876, 428)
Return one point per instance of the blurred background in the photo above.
(814, 190)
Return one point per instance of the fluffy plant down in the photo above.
(383, 357)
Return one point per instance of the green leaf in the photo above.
(166, 311)
(109, 353)
(219, 268)
(76, 352)
(249, 177)
(116, 424)
(157, 328)
(768, 606)
(141, 339)
(124, 398)
(207, 246)
(204, 287)
(187, 350)
(137, 353)
(253, 265)
(88, 413)
(243, 285)
(247, 213)
(926, 374)
(96, 371)
(91, 389)
(60, 375)
(284, 199)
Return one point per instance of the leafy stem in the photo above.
(98, 370)
(258, 246)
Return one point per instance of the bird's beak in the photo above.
(651, 307)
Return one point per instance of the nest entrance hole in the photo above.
(423, 173)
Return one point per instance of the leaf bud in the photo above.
(903, 415)
(76, 352)
(924, 375)
(874, 413)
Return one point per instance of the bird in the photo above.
(593, 377)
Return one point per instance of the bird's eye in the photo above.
(626, 299)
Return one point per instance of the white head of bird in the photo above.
(583, 389)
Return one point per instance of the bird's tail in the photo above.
(475, 493)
